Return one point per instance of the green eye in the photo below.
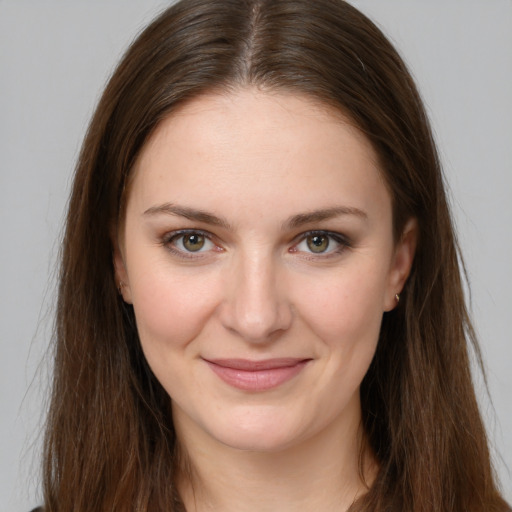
(193, 242)
(189, 244)
(317, 243)
(321, 245)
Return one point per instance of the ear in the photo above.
(401, 263)
(120, 272)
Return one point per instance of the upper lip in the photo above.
(254, 366)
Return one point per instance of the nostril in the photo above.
(256, 322)
(255, 305)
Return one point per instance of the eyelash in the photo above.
(169, 241)
(343, 243)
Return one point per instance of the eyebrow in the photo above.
(293, 222)
(188, 213)
(323, 214)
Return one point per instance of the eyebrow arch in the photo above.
(323, 214)
(188, 213)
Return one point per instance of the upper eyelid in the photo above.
(332, 234)
(167, 237)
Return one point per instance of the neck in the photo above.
(321, 473)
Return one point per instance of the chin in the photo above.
(267, 442)
(254, 431)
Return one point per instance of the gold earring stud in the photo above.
(397, 298)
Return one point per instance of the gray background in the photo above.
(54, 59)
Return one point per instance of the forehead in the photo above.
(273, 148)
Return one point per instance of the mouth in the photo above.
(255, 376)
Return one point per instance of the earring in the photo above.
(120, 287)
(397, 298)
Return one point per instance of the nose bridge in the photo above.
(257, 305)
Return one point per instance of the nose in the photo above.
(256, 306)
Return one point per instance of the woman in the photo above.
(260, 304)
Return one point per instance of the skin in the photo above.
(261, 163)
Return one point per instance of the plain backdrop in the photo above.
(55, 57)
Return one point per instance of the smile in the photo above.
(250, 375)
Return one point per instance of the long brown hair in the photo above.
(110, 443)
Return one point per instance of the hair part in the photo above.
(110, 443)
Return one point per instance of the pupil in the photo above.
(193, 242)
(318, 243)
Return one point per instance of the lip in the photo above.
(251, 375)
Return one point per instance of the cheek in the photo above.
(171, 308)
(349, 305)
(346, 315)
(171, 311)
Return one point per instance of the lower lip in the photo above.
(257, 380)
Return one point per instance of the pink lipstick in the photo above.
(256, 375)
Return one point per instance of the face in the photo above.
(258, 254)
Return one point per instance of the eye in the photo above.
(317, 243)
(321, 243)
(188, 242)
(193, 242)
